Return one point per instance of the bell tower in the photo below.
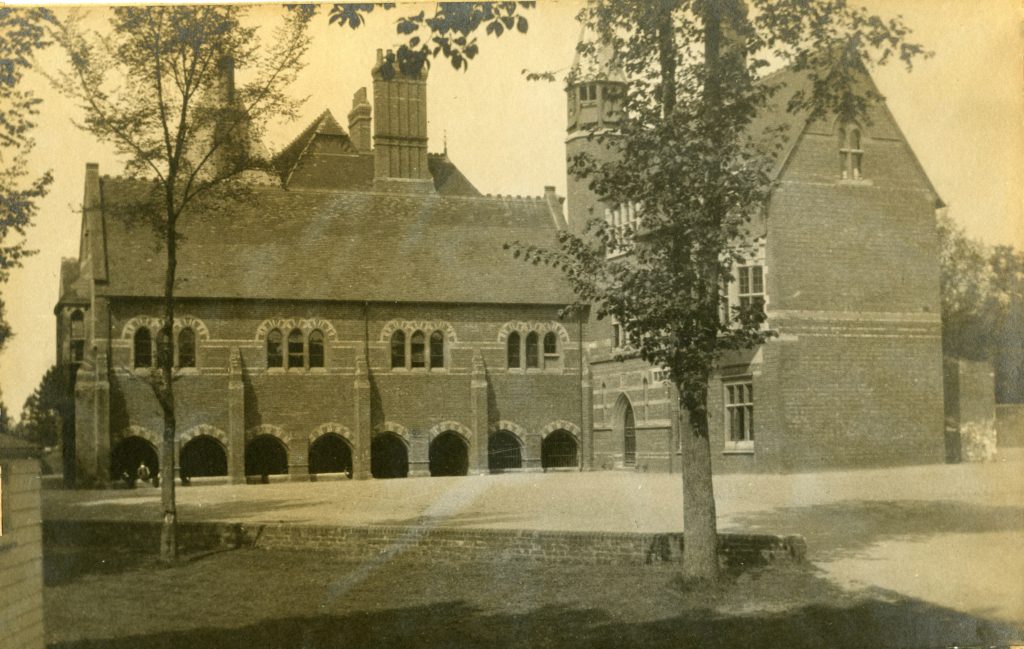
(594, 97)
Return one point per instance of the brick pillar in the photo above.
(101, 419)
(531, 461)
(419, 453)
(85, 430)
(363, 423)
(298, 460)
(587, 416)
(236, 418)
(478, 398)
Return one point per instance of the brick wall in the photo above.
(432, 544)
(21, 557)
(296, 402)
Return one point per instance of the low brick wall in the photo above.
(434, 544)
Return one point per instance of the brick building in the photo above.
(846, 265)
(355, 315)
(21, 545)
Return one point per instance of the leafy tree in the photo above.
(22, 32)
(447, 31)
(159, 87)
(967, 294)
(46, 408)
(688, 160)
(1008, 283)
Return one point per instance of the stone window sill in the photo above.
(739, 448)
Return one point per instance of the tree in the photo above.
(688, 162)
(160, 88)
(46, 408)
(448, 31)
(22, 32)
(966, 292)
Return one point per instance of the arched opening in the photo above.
(77, 337)
(504, 452)
(436, 350)
(417, 350)
(296, 350)
(514, 356)
(449, 455)
(266, 455)
(532, 350)
(330, 454)
(389, 457)
(629, 437)
(558, 450)
(316, 348)
(143, 348)
(203, 456)
(128, 454)
(398, 349)
(275, 355)
(186, 348)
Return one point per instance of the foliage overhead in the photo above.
(689, 157)
(22, 33)
(447, 30)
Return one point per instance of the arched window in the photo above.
(436, 349)
(296, 353)
(275, 357)
(316, 348)
(532, 350)
(418, 350)
(514, 357)
(186, 348)
(550, 344)
(398, 349)
(143, 348)
(77, 337)
(850, 153)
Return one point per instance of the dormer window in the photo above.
(588, 92)
(850, 153)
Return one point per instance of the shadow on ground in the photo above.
(455, 624)
(840, 529)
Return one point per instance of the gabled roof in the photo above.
(324, 124)
(346, 246)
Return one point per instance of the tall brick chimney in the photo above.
(359, 119)
(400, 131)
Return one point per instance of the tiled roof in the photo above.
(320, 245)
(324, 124)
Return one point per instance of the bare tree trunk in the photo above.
(165, 359)
(700, 525)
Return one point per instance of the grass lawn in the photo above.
(258, 599)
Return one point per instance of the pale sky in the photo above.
(961, 111)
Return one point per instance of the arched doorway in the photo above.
(203, 456)
(504, 452)
(266, 455)
(629, 437)
(559, 450)
(330, 454)
(389, 458)
(449, 455)
(129, 453)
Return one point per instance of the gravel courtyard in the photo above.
(947, 535)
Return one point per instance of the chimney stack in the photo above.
(400, 131)
(359, 119)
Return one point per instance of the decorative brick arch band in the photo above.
(392, 427)
(509, 427)
(540, 327)
(411, 326)
(453, 426)
(331, 428)
(268, 429)
(134, 430)
(204, 429)
(154, 324)
(561, 424)
(305, 325)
